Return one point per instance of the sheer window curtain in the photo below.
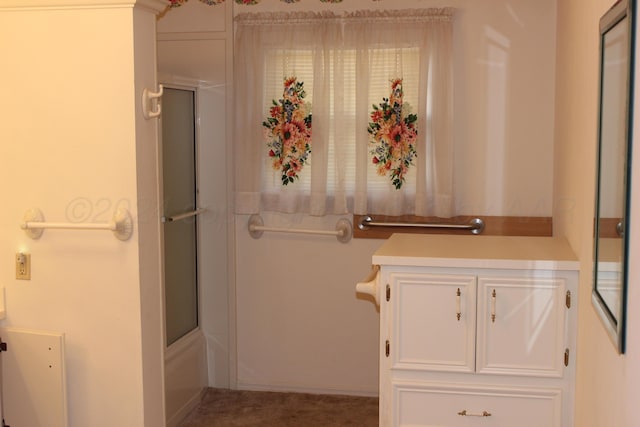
(346, 63)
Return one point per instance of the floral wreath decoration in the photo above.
(393, 136)
(288, 131)
(178, 3)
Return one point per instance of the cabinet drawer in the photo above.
(439, 405)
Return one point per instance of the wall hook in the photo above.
(147, 102)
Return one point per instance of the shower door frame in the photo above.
(196, 150)
(185, 359)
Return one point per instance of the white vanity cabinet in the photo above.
(476, 330)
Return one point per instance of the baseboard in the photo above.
(296, 389)
(183, 412)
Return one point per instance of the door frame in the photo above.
(185, 360)
(194, 89)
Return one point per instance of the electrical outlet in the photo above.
(23, 266)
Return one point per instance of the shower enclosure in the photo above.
(185, 352)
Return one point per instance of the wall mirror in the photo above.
(613, 167)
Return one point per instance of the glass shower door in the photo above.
(180, 195)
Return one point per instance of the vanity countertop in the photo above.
(469, 251)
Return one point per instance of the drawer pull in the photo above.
(493, 306)
(464, 413)
(458, 311)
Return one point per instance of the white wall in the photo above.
(607, 389)
(300, 324)
(69, 147)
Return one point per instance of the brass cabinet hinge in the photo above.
(567, 300)
(388, 292)
(566, 357)
(387, 348)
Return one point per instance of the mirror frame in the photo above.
(614, 318)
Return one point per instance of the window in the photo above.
(347, 64)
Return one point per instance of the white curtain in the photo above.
(347, 66)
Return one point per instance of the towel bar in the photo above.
(183, 215)
(343, 231)
(475, 226)
(121, 224)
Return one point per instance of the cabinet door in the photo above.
(433, 322)
(32, 378)
(521, 326)
(438, 405)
